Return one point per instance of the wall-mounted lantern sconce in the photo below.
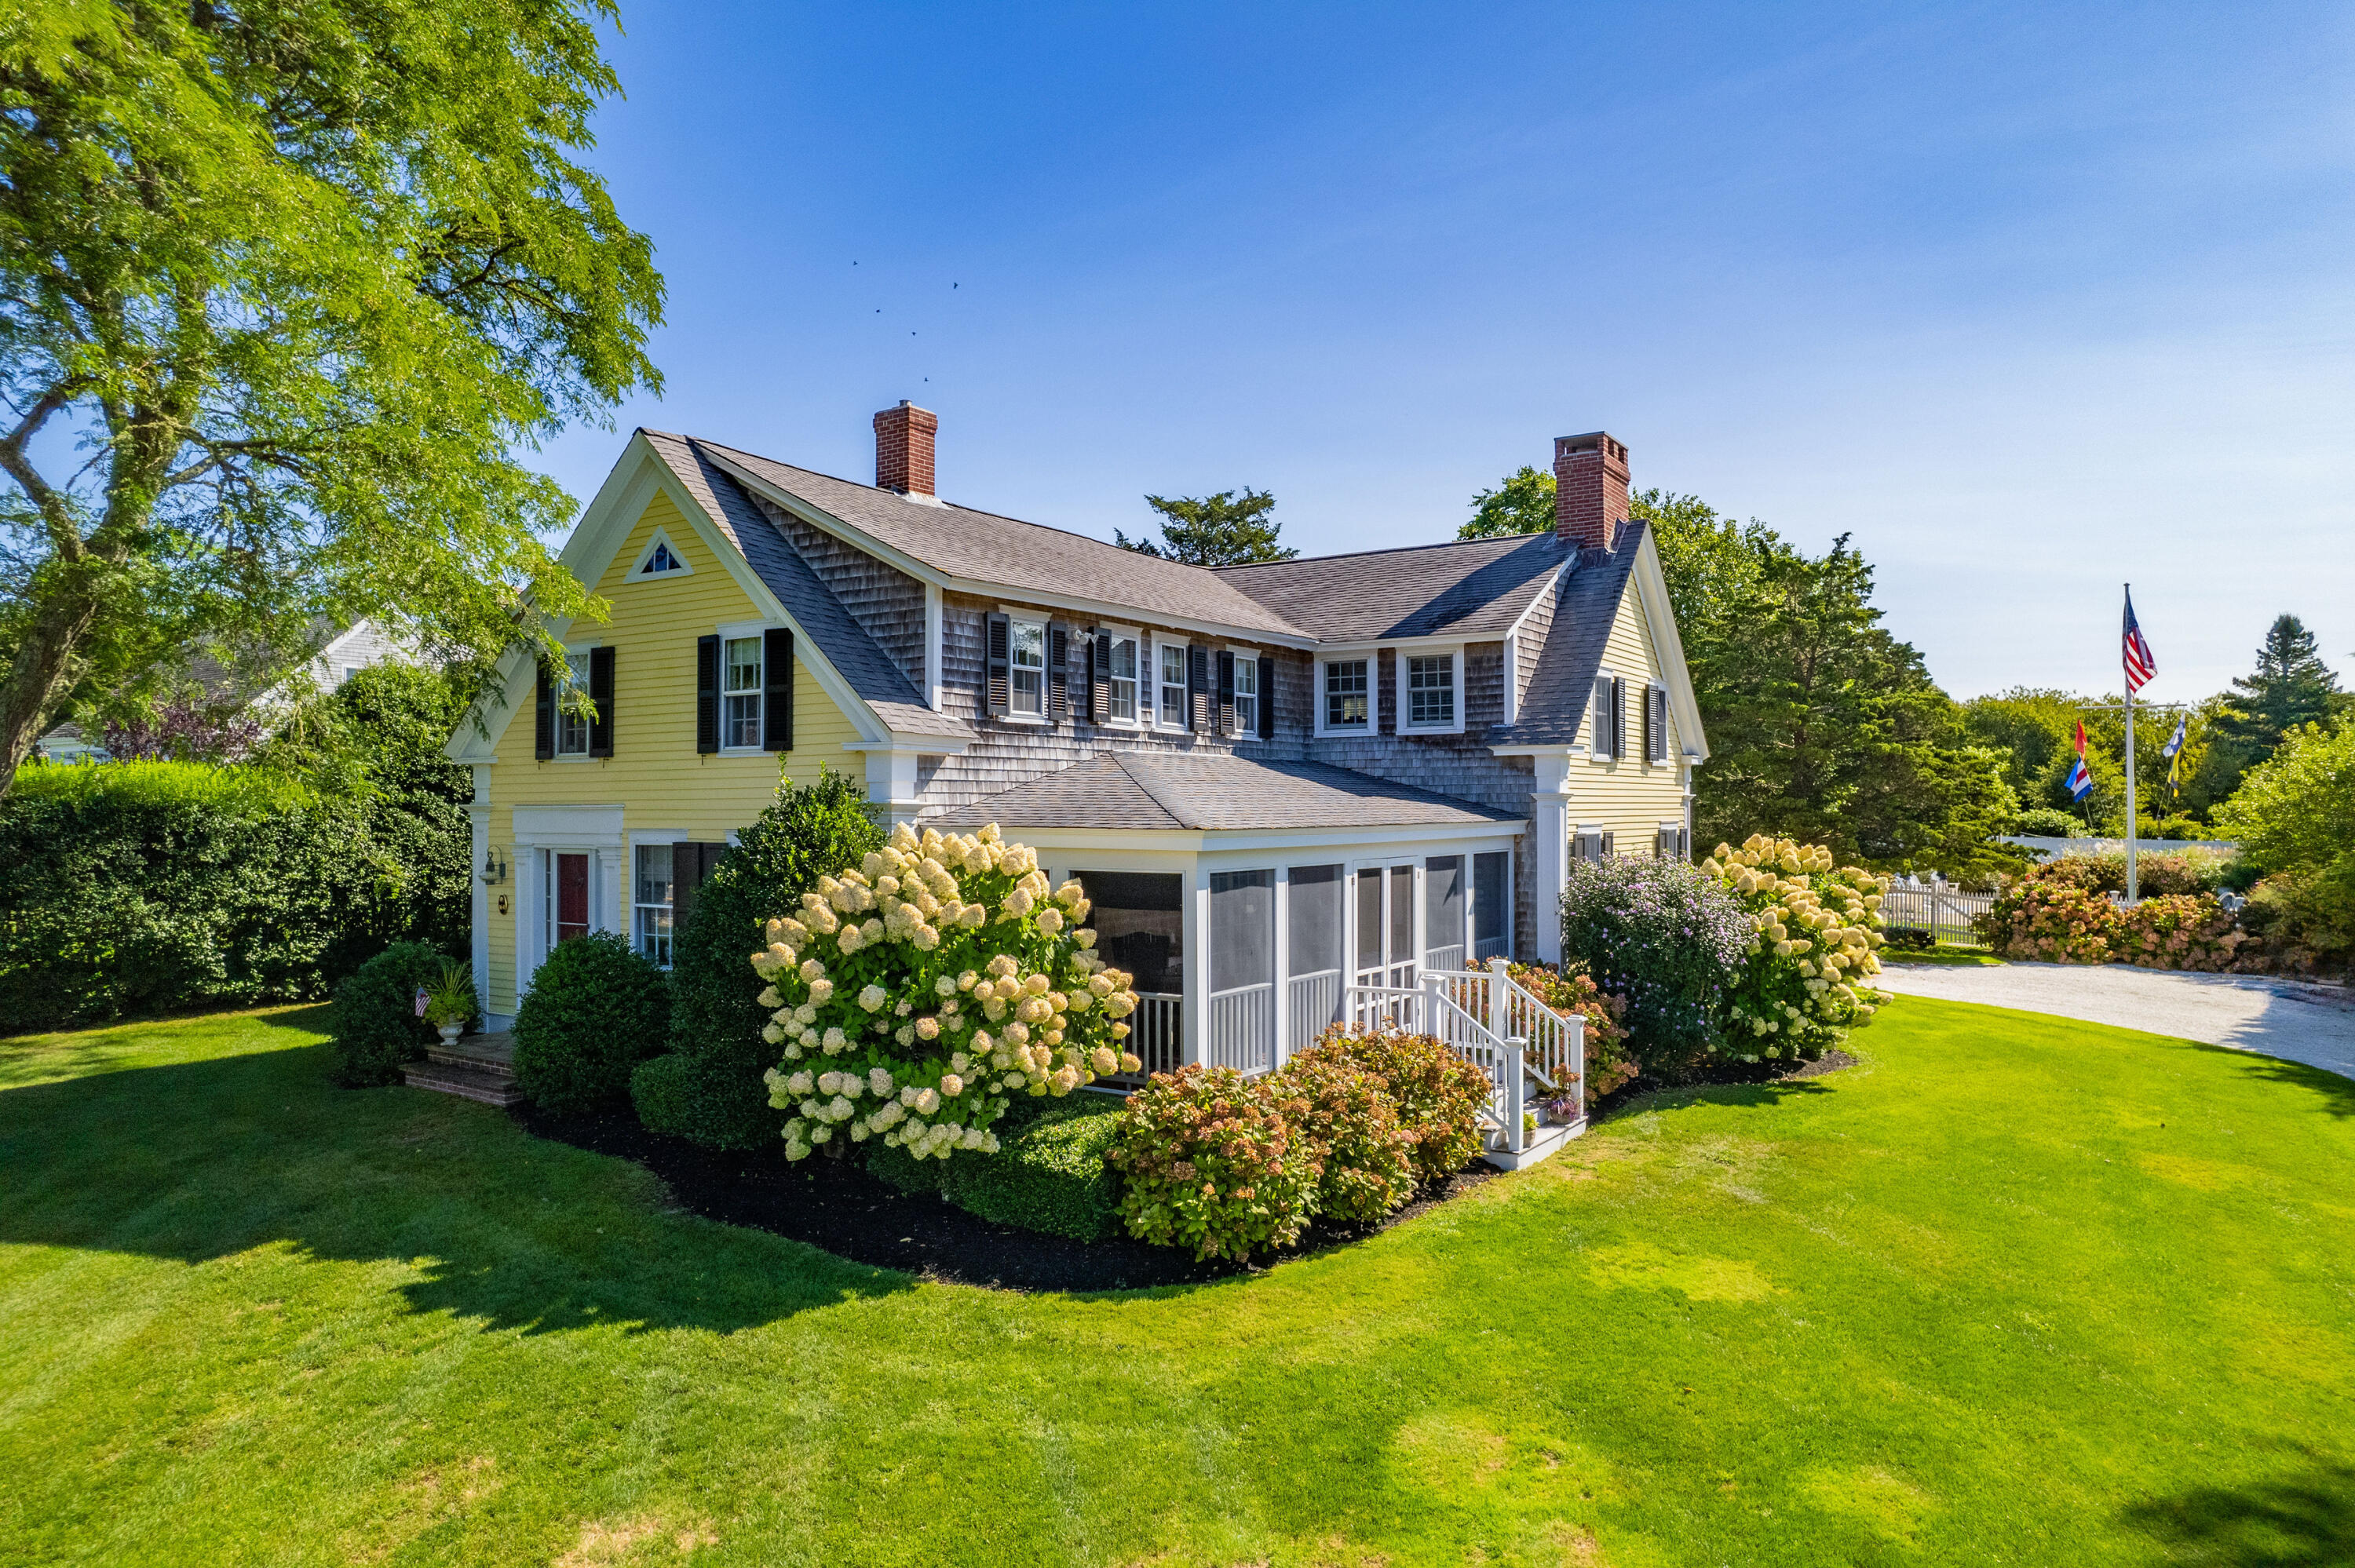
(494, 868)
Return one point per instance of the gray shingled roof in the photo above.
(845, 643)
(982, 546)
(1475, 588)
(1554, 709)
(1213, 794)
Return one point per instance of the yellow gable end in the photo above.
(663, 788)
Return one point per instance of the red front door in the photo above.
(571, 896)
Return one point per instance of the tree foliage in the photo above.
(281, 286)
(1521, 504)
(2289, 687)
(1229, 529)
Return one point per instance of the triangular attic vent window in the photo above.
(660, 558)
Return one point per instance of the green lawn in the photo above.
(2012, 1290)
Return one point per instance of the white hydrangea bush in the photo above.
(1816, 930)
(915, 996)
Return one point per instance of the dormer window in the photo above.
(1348, 694)
(1431, 691)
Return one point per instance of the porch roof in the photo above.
(1135, 789)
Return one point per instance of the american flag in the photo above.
(2141, 662)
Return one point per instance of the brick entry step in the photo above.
(475, 1067)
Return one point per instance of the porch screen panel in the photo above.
(1443, 912)
(1490, 893)
(1139, 920)
(1369, 919)
(1401, 942)
(1241, 1022)
(1313, 937)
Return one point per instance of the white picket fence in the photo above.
(1940, 908)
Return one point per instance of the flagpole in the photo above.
(2133, 892)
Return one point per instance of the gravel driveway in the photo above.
(2292, 1018)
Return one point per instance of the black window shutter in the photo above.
(1100, 677)
(543, 734)
(1198, 688)
(1618, 717)
(691, 865)
(777, 689)
(1647, 724)
(1267, 699)
(1599, 736)
(601, 692)
(707, 694)
(1058, 672)
(994, 678)
(1655, 724)
(1226, 693)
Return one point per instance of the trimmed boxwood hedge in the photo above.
(1050, 1176)
(594, 1012)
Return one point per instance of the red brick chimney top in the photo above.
(903, 448)
(1590, 489)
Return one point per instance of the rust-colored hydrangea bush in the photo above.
(1211, 1160)
(1365, 1156)
(1440, 1095)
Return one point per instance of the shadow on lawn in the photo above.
(2335, 1090)
(2301, 1520)
(203, 1160)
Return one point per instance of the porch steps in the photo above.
(1543, 1144)
(474, 1066)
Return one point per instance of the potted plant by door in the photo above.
(450, 1000)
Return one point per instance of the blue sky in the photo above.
(2030, 300)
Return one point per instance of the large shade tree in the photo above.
(284, 285)
(1233, 528)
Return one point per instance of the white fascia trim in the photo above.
(1552, 590)
(1439, 641)
(1667, 647)
(818, 517)
(923, 742)
(1208, 841)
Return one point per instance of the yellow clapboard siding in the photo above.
(1627, 796)
(654, 775)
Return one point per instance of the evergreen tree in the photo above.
(2290, 686)
(1223, 530)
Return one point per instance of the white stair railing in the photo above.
(1556, 1045)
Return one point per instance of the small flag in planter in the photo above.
(2081, 779)
(421, 1002)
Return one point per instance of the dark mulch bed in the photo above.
(836, 1205)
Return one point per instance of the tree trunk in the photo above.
(42, 674)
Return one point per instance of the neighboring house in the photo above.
(341, 656)
(1274, 780)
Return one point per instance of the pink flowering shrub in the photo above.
(1610, 1064)
(2178, 931)
(2054, 919)
(1439, 1095)
(1211, 1162)
(1351, 1124)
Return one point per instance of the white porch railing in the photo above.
(1242, 1028)
(1443, 959)
(1315, 1004)
(1156, 1033)
(1557, 1045)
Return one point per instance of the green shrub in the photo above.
(717, 1097)
(1209, 1160)
(594, 1012)
(1439, 1095)
(1910, 938)
(2303, 920)
(1805, 976)
(151, 887)
(1050, 1176)
(891, 1163)
(1668, 938)
(374, 1025)
(2049, 822)
(1365, 1157)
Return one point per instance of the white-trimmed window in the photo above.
(572, 723)
(660, 558)
(1246, 693)
(1026, 668)
(651, 903)
(740, 694)
(1348, 698)
(1123, 701)
(1170, 660)
(1431, 694)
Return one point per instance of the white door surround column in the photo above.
(1550, 825)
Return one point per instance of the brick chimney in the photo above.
(1590, 489)
(903, 449)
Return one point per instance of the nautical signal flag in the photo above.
(2081, 778)
(2173, 752)
(2140, 661)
